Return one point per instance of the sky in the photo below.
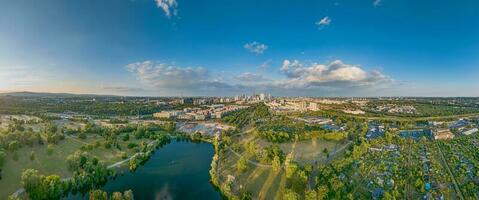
(226, 47)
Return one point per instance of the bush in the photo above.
(126, 137)
(82, 136)
(132, 145)
(107, 145)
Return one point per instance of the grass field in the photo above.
(55, 163)
(44, 163)
(307, 151)
(261, 182)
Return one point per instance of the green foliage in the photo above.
(127, 195)
(13, 145)
(126, 137)
(132, 145)
(247, 116)
(76, 160)
(276, 163)
(132, 164)
(311, 195)
(291, 169)
(39, 187)
(82, 136)
(98, 195)
(242, 164)
(268, 154)
(3, 156)
(290, 195)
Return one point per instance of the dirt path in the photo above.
(249, 161)
(76, 140)
(458, 191)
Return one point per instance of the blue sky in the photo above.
(214, 47)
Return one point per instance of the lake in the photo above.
(179, 170)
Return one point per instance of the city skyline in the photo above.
(215, 48)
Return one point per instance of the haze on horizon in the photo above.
(217, 48)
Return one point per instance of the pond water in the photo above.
(179, 170)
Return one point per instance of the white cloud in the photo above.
(377, 3)
(298, 78)
(120, 89)
(335, 74)
(255, 47)
(20, 76)
(166, 76)
(265, 65)
(325, 21)
(250, 77)
(168, 6)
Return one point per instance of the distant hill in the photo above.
(47, 95)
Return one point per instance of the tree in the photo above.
(82, 136)
(98, 195)
(117, 196)
(322, 192)
(290, 195)
(128, 195)
(133, 164)
(39, 187)
(246, 196)
(126, 137)
(13, 145)
(241, 165)
(276, 164)
(291, 169)
(311, 195)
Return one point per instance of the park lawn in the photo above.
(276, 188)
(259, 181)
(44, 163)
(55, 163)
(306, 151)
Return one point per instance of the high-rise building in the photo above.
(262, 97)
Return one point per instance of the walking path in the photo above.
(458, 191)
(249, 161)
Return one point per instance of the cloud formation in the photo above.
(335, 74)
(325, 21)
(166, 76)
(294, 77)
(377, 3)
(256, 47)
(168, 6)
(121, 89)
(265, 65)
(249, 77)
